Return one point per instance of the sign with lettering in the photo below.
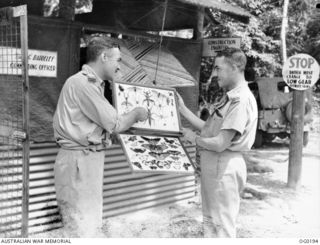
(41, 63)
(301, 71)
(212, 45)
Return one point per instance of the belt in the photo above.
(86, 149)
(95, 148)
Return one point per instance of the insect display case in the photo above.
(154, 144)
(160, 104)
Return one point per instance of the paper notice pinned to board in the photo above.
(40, 63)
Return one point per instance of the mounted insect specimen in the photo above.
(135, 94)
(150, 118)
(160, 103)
(126, 102)
(156, 154)
(148, 99)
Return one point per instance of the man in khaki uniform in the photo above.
(82, 124)
(228, 132)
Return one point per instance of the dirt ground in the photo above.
(276, 212)
(279, 212)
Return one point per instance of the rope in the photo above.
(150, 12)
(161, 39)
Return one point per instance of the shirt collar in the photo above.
(236, 92)
(91, 74)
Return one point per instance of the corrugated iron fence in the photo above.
(14, 145)
(123, 190)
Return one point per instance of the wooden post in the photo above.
(296, 125)
(67, 9)
(22, 12)
(198, 30)
(198, 35)
(296, 139)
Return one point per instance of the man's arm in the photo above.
(128, 119)
(218, 143)
(100, 111)
(195, 121)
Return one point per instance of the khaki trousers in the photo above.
(223, 176)
(78, 183)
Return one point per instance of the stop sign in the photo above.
(301, 71)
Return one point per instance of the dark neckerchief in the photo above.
(218, 105)
(108, 92)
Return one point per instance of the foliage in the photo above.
(51, 7)
(261, 36)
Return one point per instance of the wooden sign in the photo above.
(213, 45)
(41, 63)
(301, 71)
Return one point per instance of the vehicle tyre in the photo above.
(269, 137)
(259, 139)
(307, 112)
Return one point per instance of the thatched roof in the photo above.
(142, 14)
(167, 71)
(146, 15)
(223, 7)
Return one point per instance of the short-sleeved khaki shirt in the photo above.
(240, 113)
(83, 115)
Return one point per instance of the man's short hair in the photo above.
(234, 56)
(97, 45)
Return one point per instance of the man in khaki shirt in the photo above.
(83, 122)
(228, 132)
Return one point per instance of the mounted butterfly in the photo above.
(162, 154)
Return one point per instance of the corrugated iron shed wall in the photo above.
(123, 191)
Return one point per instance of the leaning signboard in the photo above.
(160, 103)
(161, 154)
(41, 63)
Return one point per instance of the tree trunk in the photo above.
(67, 9)
(284, 31)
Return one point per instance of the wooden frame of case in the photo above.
(160, 171)
(148, 130)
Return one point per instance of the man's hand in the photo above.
(181, 104)
(141, 114)
(189, 135)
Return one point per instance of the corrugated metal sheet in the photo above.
(123, 191)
